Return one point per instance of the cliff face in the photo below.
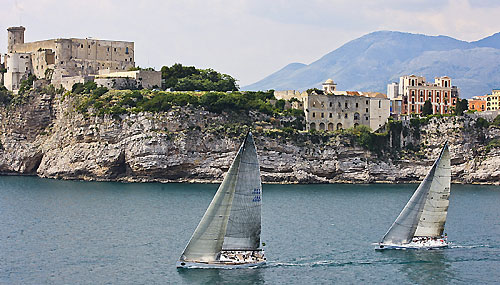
(46, 137)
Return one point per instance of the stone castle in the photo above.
(68, 61)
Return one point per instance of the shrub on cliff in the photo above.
(496, 121)
(482, 123)
(5, 95)
(26, 84)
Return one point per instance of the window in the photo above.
(331, 104)
(108, 49)
(339, 116)
(346, 105)
(413, 108)
(126, 50)
(340, 106)
(314, 104)
(345, 116)
(331, 115)
(357, 105)
(379, 104)
(115, 49)
(89, 46)
(366, 102)
(322, 115)
(367, 110)
(314, 115)
(81, 46)
(356, 116)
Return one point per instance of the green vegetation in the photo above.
(140, 68)
(26, 85)
(189, 78)
(482, 123)
(496, 121)
(427, 109)
(493, 144)
(103, 101)
(5, 95)
(314, 90)
(461, 107)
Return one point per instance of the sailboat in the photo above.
(228, 235)
(420, 224)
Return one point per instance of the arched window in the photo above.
(345, 116)
(356, 116)
(330, 127)
(339, 126)
(322, 127)
(312, 126)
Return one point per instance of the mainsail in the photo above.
(425, 212)
(233, 218)
(244, 224)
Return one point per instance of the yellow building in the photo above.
(493, 100)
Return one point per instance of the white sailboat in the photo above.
(420, 224)
(228, 235)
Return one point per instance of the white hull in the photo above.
(426, 246)
(219, 265)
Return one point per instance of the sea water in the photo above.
(72, 232)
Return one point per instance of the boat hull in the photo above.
(411, 246)
(218, 265)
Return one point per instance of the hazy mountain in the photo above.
(371, 62)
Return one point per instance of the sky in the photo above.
(248, 39)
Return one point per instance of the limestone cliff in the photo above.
(48, 138)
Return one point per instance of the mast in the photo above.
(437, 182)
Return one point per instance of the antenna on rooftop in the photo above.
(19, 9)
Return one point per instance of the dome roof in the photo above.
(329, 81)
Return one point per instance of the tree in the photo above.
(462, 106)
(427, 109)
(189, 78)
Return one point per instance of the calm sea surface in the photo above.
(67, 232)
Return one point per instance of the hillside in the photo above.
(370, 62)
(105, 137)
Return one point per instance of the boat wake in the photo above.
(470, 246)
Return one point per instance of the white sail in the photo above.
(433, 218)
(208, 238)
(437, 181)
(244, 224)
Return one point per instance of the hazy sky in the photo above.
(248, 39)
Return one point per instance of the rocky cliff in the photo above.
(48, 138)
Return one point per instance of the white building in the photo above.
(334, 110)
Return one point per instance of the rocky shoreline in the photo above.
(48, 138)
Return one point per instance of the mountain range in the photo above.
(374, 60)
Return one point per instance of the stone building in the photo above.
(414, 91)
(148, 79)
(61, 58)
(333, 110)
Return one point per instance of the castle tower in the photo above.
(16, 36)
